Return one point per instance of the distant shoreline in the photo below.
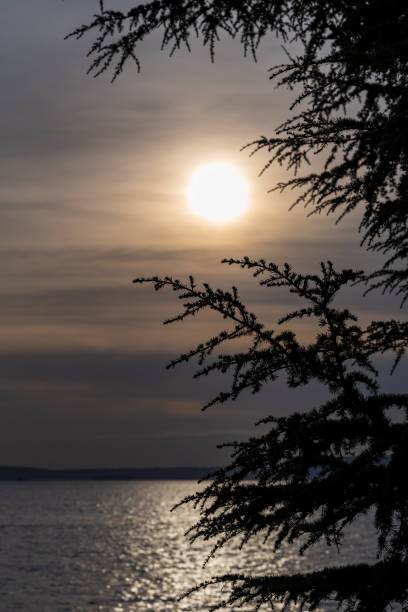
(8, 473)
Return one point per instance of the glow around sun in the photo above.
(218, 192)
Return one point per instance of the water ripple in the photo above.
(115, 546)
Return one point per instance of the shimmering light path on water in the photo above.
(115, 546)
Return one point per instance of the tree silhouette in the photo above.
(312, 473)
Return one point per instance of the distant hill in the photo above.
(163, 473)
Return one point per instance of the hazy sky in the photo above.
(93, 194)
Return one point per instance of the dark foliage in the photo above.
(312, 474)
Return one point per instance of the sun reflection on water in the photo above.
(161, 564)
(116, 546)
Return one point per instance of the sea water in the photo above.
(115, 546)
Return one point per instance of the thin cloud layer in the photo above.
(93, 194)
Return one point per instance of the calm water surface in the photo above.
(115, 546)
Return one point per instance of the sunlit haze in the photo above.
(96, 181)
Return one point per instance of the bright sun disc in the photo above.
(218, 192)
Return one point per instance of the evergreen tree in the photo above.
(312, 473)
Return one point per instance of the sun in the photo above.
(218, 192)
